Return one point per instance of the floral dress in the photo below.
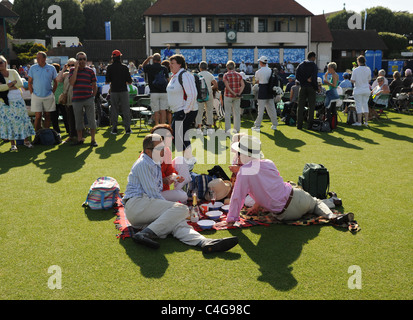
(15, 123)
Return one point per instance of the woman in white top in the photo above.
(14, 121)
(182, 94)
(361, 77)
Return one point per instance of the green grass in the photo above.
(44, 224)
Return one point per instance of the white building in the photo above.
(220, 30)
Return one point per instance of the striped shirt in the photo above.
(83, 89)
(145, 177)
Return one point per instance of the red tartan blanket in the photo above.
(126, 229)
(246, 221)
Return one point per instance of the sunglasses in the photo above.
(70, 65)
(80, 59)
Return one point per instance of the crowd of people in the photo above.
(69, 92)
(150, 203)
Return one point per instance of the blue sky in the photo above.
(317, 6)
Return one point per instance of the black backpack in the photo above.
(351, 116)
(315, 180)
(160, 81)
(201, 87)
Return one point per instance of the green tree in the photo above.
(96, 12)
(33, 18)
(339, 20)
(395, 42)
(27, 52)
(128, 21)
(73, 21)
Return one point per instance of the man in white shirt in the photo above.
(265, 98)
(208, 105)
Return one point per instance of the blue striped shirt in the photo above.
(145, 177)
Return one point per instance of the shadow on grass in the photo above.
(21, 158)
(277, 249)
(283, 141)
(111, 144)
(153, 263)
(63, 160)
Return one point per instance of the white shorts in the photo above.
(40, 104)
(159, 101)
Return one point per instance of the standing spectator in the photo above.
(221, 86)
(242, 67)
(265, 97)
(83, 80)
(361, 77)
(234, 85)
(306, 74)
(41, 77)
(208, 105)
(159, 99)
(118, 76)
(331, 79)
(60, 108)
(63, 77)
(14, 122)
(182, 95)
(166, 63)
(167, 53)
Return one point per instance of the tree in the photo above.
(73, 20)
(33, 18)
(127, 20)
(96, 13)
(27, 52)
(395, 42)
(339, 20)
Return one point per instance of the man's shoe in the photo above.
(129, 131)
(144, 238)
(273, 127)
(219, 245)
(78, 143)
(114, 131)
(93, 143)
(256, 128)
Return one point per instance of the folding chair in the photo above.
(380, 105)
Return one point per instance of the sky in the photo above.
(318, 6)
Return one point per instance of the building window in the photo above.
(262, 25)
(209, 25)
(344, 53)
(190, 25)
(175, 26)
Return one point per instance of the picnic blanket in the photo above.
(261, 219)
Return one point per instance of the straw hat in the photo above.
(220, 187)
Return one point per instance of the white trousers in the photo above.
(163, 218)
(268, 105)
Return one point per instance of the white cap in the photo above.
(263, 59)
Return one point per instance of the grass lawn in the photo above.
(44, 224)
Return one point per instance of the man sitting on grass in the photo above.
(146, 207)
(261, 180)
